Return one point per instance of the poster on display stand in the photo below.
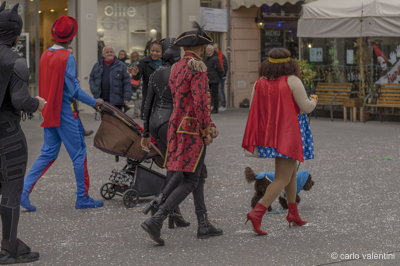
(350, 57)
(22, 47)
(316, 55)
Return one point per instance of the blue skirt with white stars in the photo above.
(306, 139)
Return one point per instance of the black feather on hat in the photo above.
(194, 38)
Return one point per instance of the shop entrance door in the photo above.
(49, 11)
(279, 34)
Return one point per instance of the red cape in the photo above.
(51, 84)
(273, 119)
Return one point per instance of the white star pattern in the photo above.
(306, 139)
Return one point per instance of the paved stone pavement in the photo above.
(353, 209)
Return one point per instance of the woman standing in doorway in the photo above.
(122, 56)
(277, 127)
(146, 67)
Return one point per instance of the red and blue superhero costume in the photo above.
(58, 84)
(273, 119)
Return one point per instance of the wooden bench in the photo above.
(333, 94)
(388, 96)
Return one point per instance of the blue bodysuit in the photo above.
(70, 132)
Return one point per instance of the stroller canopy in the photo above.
(120, 135)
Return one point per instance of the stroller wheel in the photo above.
(130, 198)
(107, 191)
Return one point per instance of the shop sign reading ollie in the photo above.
(119, 10)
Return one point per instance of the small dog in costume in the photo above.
(262, 181)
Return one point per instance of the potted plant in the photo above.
(307, 75)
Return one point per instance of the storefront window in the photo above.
(280, 28)
(26, 47)
(279, 34)
(337, 60)
(128, 25)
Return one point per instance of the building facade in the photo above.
(123, 24)
(256, 27)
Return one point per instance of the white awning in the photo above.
(355, 18)
(249, 3)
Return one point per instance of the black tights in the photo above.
(187, 184)
(175, 178)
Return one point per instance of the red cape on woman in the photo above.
(273, 119)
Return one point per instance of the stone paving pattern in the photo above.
(353, 207)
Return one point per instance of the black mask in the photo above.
(10, 25)
(171, 52)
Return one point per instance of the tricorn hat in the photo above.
(64, 29)
(194, 38)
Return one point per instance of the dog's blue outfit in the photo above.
(301, 178)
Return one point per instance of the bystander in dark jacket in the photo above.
(110, 81)
(215, 74)
(223, 62)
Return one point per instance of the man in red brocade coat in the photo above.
(190, 128)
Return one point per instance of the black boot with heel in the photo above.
(176, 218)
(154, 224)
(206, 229)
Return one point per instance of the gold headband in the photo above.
(279, 60)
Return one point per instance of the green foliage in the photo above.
(307, 73)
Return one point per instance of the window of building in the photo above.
(280, 28)
(129, 25)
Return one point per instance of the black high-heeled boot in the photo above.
(154, 205)
(176, 218)
(154, 224)
(206, 229)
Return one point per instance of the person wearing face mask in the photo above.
(157, 110)
(110, 81)
(146, 67)
(158, 107)
(14, 98)
(190, 130)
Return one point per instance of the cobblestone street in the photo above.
(352, 209)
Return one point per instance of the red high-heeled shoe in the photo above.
(293, 216)
(255, 216)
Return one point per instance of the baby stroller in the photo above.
(120, 135)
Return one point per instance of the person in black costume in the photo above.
(157, 109)
(14, 97)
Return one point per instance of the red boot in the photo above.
(293, 216)
(255, 216)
